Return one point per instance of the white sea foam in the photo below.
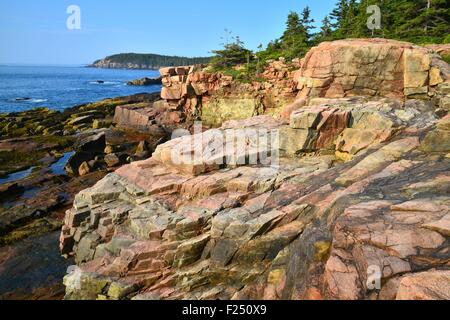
(29, 100)
(105, 82)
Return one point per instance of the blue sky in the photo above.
(34, 32)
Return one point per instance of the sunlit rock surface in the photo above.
(348, 199)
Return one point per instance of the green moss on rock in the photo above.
(218, 110)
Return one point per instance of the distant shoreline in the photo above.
(121, 68)
(139, 61)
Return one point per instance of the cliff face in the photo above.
(215, 98)
(347, 68)
(375, 67)
(343, 194)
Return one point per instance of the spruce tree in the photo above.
(338, 18)
(430, 23)
(233, 54)
(325, 29)
(419, 21)
(348, 24)
(293, 29)
(294, 41)
(306, 24)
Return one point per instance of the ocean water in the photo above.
(27, 87)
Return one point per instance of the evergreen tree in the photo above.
(419, 21)
(350, 19)
(345, 16)
(294, 41)
(326, 29)
(338, 16)
(292, 23)
(234, 53)
(430, 22)
(290, 36)
(306, 24)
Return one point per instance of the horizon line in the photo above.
(27, 64)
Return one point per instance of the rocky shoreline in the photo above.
(360, 189)
(357, 209)
(48, 157)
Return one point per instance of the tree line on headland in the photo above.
(416, 21)
(146, 61)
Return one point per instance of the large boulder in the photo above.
(134, 116)
(348, 126)
(368, 67)
(91, 143)
(214, 149)
(87, 148)
(155, 118)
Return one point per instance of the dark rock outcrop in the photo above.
(87, 148)
(145, 82)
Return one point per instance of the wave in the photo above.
(30, 100)
(105, 82)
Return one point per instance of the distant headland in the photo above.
(145, 61)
